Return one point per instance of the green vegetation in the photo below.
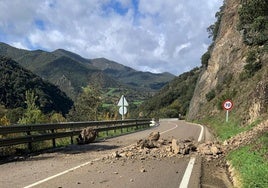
(211, 95)
(118, 132)
(205, 58)
(251, 162)
(253, 16)
(15, 81)
(225, 130)
(71, 72)
(213, 32)
(33, 114)
(86, 105)
(253, 64)
(173, 100)
(253, 24)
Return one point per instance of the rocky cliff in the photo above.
(225, 76)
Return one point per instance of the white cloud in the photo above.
(158, 36)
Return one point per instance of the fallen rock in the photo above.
(156, 148)
(86, 136)
(154, 136)
(174, 146)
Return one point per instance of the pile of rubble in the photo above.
(157, 148)
(246, 137)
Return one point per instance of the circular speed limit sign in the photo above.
(227, 105)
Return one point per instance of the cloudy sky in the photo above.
(148, 35)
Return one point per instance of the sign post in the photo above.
(227, 105)
(122, 103)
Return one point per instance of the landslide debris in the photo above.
(86, 136)
(154, 147)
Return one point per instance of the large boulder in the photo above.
(154, 136)
(87, 136)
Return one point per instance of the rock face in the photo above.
(222, 75)
(87, 136)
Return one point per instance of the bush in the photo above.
(253, 63)
(253, 22)
(211, 95)
(204, 59)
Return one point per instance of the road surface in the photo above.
(87, 165)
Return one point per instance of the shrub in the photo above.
(253, 64)
(211, 95)
(253, 22)
(204, 59)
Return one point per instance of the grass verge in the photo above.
(251, 162)
(225, 130)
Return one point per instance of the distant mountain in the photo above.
(16, 80)
(70, 71)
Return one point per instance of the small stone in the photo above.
(142, 170)
(131, 180)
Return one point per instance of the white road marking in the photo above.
(186, 177)
(59, 174)
(79, 166)
(201, 133)
(169, 129)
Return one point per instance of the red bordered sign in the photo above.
(227, 104)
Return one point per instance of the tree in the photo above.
(86, 106)
(32, 113)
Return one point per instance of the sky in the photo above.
(147, 35)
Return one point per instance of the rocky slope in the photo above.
(223, 77)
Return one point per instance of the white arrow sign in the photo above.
(122, 101)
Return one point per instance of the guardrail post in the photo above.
(107, 132)
(53, 139)
(72, 139)
(30, 146)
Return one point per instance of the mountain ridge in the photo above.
(82, 69)
(16, 80)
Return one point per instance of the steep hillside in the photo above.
(15, 81)
(173, 99)
(237, 66)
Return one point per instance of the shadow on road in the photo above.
(76, 149)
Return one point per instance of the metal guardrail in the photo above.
(42, 132)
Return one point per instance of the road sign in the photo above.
(122, 110)
(227, 105)
(122, 101)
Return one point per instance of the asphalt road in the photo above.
(86, 166)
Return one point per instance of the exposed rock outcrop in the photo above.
(224, 71)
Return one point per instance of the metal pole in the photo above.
(227, 115)
(123, 108)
